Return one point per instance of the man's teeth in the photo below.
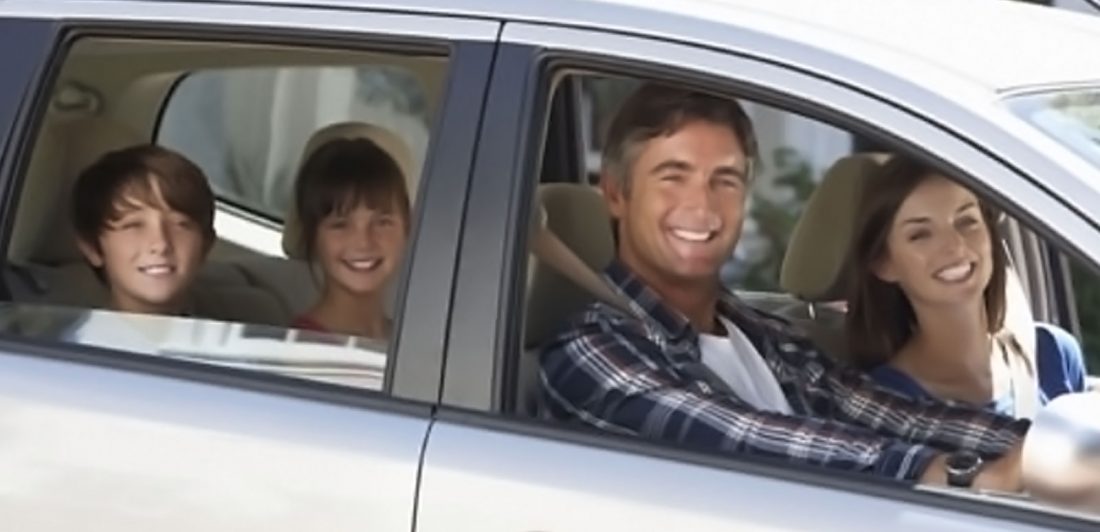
(692, 236)
(955, 273)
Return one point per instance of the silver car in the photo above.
(228, 420)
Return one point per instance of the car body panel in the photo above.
(113, 449)
(506, 481)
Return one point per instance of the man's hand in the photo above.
(1002, 474)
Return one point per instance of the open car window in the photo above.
(333, 358)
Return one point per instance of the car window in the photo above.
(1070, 117)
(321, 304)
(246, 127)
(1085, 291)
(796, 155)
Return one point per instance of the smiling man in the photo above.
(692, 365)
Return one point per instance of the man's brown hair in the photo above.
(655, 110)
(101, 190)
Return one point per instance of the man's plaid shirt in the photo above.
(641, 374)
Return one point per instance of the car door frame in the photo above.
(422, 312)
(485, 336)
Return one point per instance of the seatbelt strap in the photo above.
(551, 250)
(1023, 372)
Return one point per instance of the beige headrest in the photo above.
(43, 232)
(814, 263)
(384, 138)
(577, 216)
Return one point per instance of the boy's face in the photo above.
(360, 250)
(149, 255)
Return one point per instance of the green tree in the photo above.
(775, 218)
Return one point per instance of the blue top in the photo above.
(1060, 362)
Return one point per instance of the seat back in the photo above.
(571, 241)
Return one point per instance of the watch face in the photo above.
(963, 461)
(962, 467)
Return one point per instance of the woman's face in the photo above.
(938, 250)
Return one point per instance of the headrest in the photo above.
(814, 263)
(572, 242)
(389, 141)
(43, 231)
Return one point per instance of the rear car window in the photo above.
(246, 127)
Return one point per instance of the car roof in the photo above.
(998, 44)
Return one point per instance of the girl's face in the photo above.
(360, 249)
(938, 250)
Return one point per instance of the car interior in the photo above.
(562, 277)
(111, 93)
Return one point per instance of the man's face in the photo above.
(149, 255)
(682, 215)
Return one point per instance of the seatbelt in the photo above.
(549, 249)
(1018, 341)
(1023, 372)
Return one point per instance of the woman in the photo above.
(927, 307)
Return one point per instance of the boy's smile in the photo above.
(149, 254)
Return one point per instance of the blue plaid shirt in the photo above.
(641, 374)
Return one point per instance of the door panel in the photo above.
(92, 448)
(510, 475)
(509, 482)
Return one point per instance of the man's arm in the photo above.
(857, 399)
(604, 377)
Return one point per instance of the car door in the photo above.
(490, 463)
(100, 437)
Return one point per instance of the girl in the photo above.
(354, 209)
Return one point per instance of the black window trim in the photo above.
(463, 75)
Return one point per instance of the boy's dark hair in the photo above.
(345, 173)
(99, 194)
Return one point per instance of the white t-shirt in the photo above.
(736, 361)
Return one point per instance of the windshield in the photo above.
(1071, 117)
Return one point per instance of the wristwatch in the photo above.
(962, 467)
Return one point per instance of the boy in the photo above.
(144, 219)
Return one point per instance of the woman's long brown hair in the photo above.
(880, 319)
